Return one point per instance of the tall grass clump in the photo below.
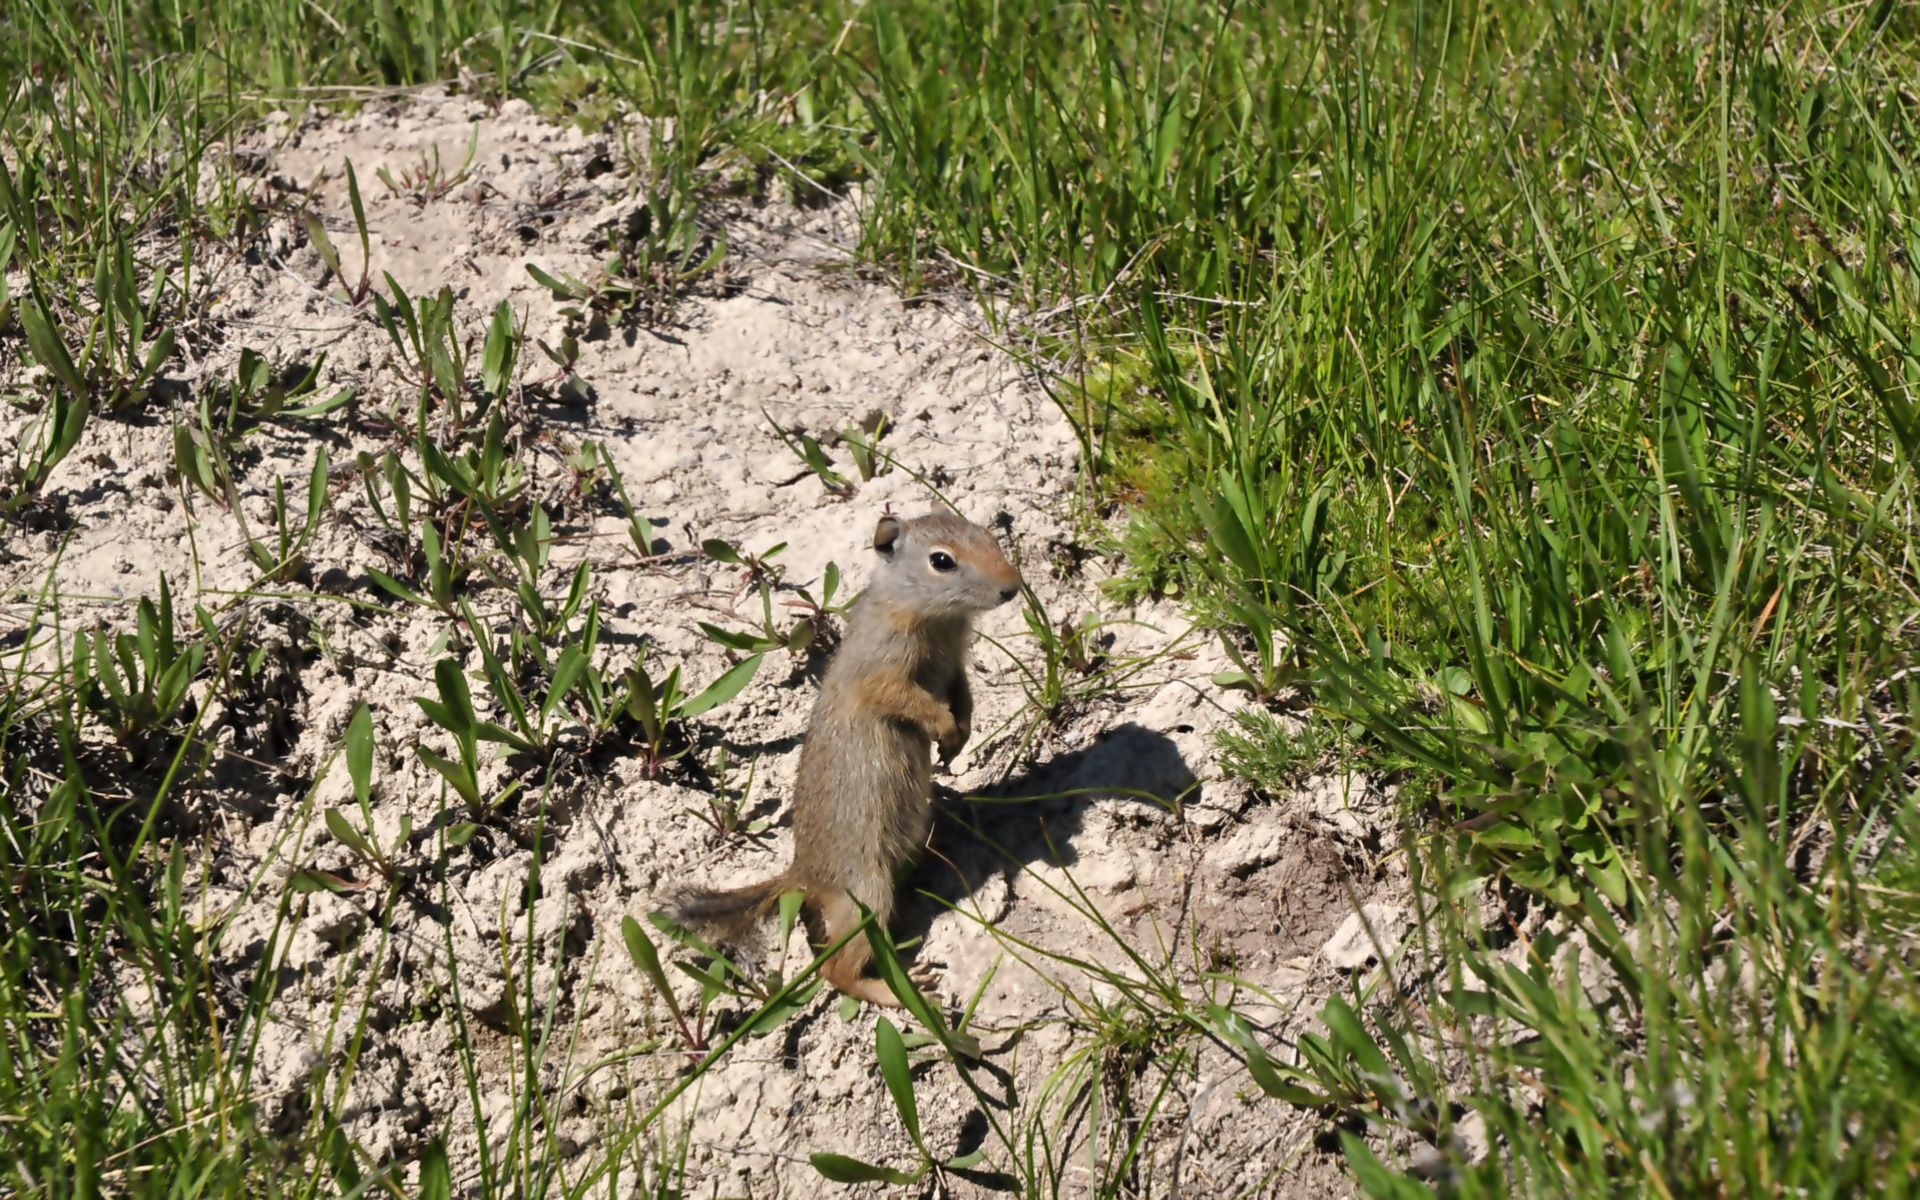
(1537, 391)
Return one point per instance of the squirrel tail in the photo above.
(730, 912)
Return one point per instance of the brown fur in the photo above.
(896, 690)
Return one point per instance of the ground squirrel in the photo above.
(896, 689)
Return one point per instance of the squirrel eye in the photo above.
(941, 560)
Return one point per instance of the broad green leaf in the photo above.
(566, 672)
(322, 244)
(346, 834)
(1167, 140)
(645, 955)
(1607, 875)
(1344, 1024)
(733, 639)
(724, 688)
(790, 905)
(1234, 1030)
(776, 1015)
(66, 422)
(800, 637)
(360, 753)
(899, 1080)
(488, 731)
(312, 880)
(1379, 1182)
(436, 712)
(359, 216)
(340, 1157)
(454, 693)
(497, 358)
(316, 490)
(576, 590)
(49, 348)
(570, 289)
(436, 1177)
(157, 356)
(454, 773)
(841, 1169)
(893, 972)
(1505, 836)
(393, 586)
(322, 407)
(680, 933)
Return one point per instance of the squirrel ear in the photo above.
(885, 534)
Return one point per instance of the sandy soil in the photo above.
(1209, 878)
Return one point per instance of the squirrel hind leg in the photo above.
(846, 970)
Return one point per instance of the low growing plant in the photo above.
(138, 683)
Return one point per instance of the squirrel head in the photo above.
(940, 564)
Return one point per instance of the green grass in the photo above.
(1534, 387)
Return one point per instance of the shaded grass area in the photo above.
(1532, 392)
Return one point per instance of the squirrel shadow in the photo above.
(1034, 817)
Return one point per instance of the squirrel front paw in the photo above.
(951, 742)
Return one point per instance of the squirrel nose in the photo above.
(1008, 593)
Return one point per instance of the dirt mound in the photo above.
(497, 985)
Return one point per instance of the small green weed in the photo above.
(658, 711)
(894, 1069)
(426, 179)
(427, 348)
(355, 293)
(284, 557)
(137, 683)
(50, 437)
(775, 999)
(807, 449)
(259, 393)
(726, 809)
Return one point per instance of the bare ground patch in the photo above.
(495, 982)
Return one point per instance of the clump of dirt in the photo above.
(1057, 840)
